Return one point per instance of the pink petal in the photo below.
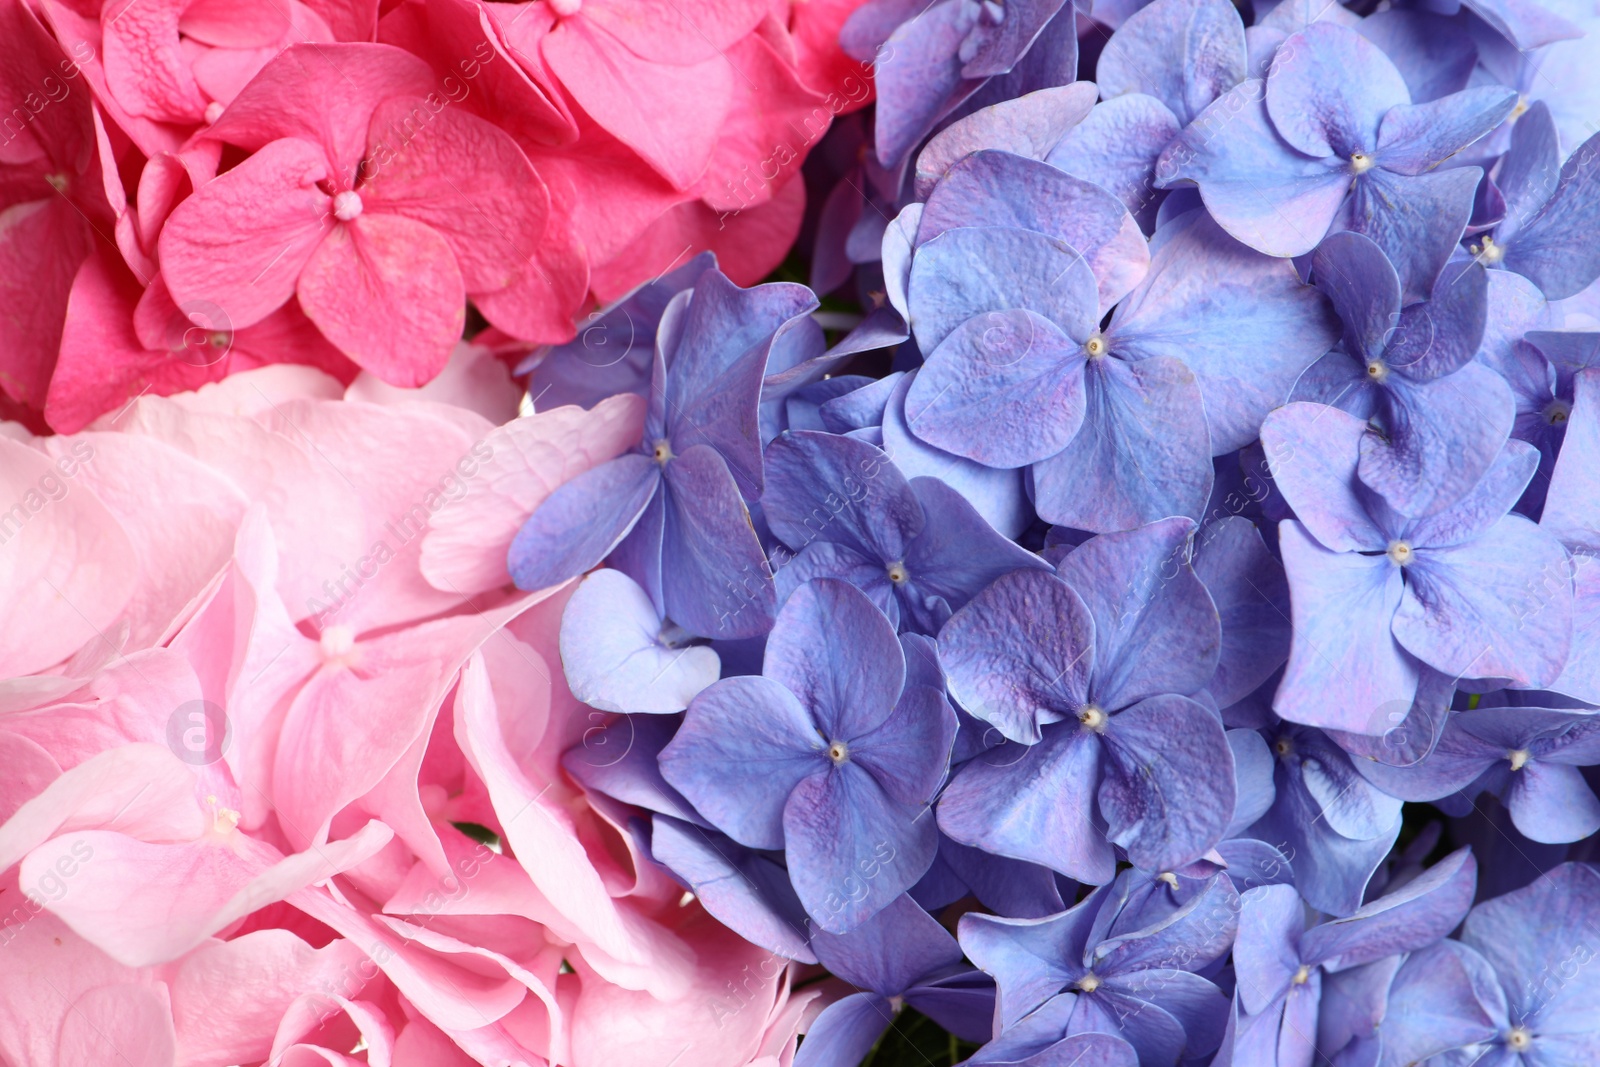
(233, 251)
(450, 995)
(128, 1025)
(541, 304)
(138, 789)
(29, 768)
(462, 39)
(397, 468)
(310, 1014)
(771, 123)
(541, 829)
(611, 1024)
(145, 70)
(81, 37)
(351, 20)
(386, 290)
(234, 23)
(462, 177)
(180, 547)
(67, 574)
(326, 758)
(421, 1044)
(42, 244)
(474, 380)
(229, 996)
(223, 72)
(102, 364)
(748, 244)
(665, 31)
(306, 499)
(144, 904)
(48, 968)
(325, 94)
(640, 101)
(466, 544)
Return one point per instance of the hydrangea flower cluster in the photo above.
(191, 189)
(1229, 485)
(1161, 628)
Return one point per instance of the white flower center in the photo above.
(346, 205)
(1400, 552)
(1360, 163)
(838, 752)
(1092, 717)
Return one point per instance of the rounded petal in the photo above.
(386, 290)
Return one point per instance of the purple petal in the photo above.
(1031, 959)
(1020, 654)
(1434, 55)
(999, 46)
(909, 752)
(1552, 804)
(1443, 997)
(1143, 452)
(715, 578)
(971, 270)
(839, 656)
(890, 952)
(1440, 335)
(578, 525)
(1247, 586)
(1499, 606)
(1352, 271)
(1343, 606)
(1440, 438)
(1419, 913)
(1494, 495)
(1415, 138)
(851, 848)
(1525, 935)
(1243, 322)
(744, 890)
(1313, 450)
(1117, 146)
(958, 556)
(1525, 23)
(619, 758)
(1530, 169)
(612, 654)
(1267, 951)
(1416, 220)
(1028, 126)
(1005, 886)
(1143, 595)
(1001, 189)
(1261, 190)
(716, 365)
(1182, 52)
(1004, 388)
(1328, 90)
(997, 495)
(1190, 937)
(1559, 248)
(823, 487)
(823, 559)
(1581, 677)
(845, 1031)
(1033, 803)
(744, 746)
(1168, 786)
(1572, 511)
(918, 77)
(1253, 795)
